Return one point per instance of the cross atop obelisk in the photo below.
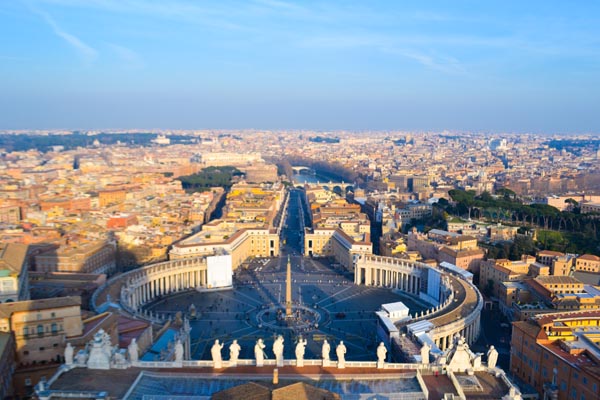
(288, 290)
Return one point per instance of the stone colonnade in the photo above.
(145, 284)
(405, 275)
(389, 272)
(468, 326)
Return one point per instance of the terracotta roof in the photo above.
(589, 257)
(7, 309)
(301, 391)
(556, 280)
(13, 256)
(247, 391)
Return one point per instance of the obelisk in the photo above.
(288, 290)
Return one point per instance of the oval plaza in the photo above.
(341, 311)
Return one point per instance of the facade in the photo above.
(588, 263)
(258, 173)
(14, 275)
(558, 354)
(469, 260)
(10, 214)
(494, 272)
(42, 327)
(111, 196)
(7, 363)
(587, 208)
(219, 239)
(97, 257)
(233, 159)
(334, 242)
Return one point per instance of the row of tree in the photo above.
(582, 230)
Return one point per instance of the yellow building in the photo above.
(561, 348)
(588, 263)
(221, 237)
(98, 257)
(494, 272)
(42, 327)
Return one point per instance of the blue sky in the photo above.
(490, 66)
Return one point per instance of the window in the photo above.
(54, 329)
(40, 330)
(26, 331)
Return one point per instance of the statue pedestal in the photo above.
(341, 364)
(380, 364)
(326, 363)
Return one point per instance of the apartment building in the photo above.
(558, 354)
(42, 327)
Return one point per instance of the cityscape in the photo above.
(418, 218)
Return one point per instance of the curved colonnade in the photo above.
(144, 285)
(458, 310)
(460, 303)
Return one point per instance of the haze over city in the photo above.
(174, 64)
(277, 199)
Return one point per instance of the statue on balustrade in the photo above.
(340, 351)
(259, 352)
(69, 354)
(325, 350)
(300, 349)
(492, 357)
(178, 351)
(381, 355)
(234, 353)
(215, 351)
(278, 350)
(133, 351)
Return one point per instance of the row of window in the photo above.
(54, 328)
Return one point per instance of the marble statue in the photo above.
(492, 357)
(133, 350)
(425, 354)
(69, 354)
(178, 351)
(381, 354)
(340, 350)
(81, 358)
(325, 350)
(278, 350)
(300, 348)
(477, 361)
(259, 353)
(106, 344)
(98, 358)
(234, 353)
(215, 351)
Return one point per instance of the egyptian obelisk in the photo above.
(288, 290)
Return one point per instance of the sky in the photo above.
(483, 66)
